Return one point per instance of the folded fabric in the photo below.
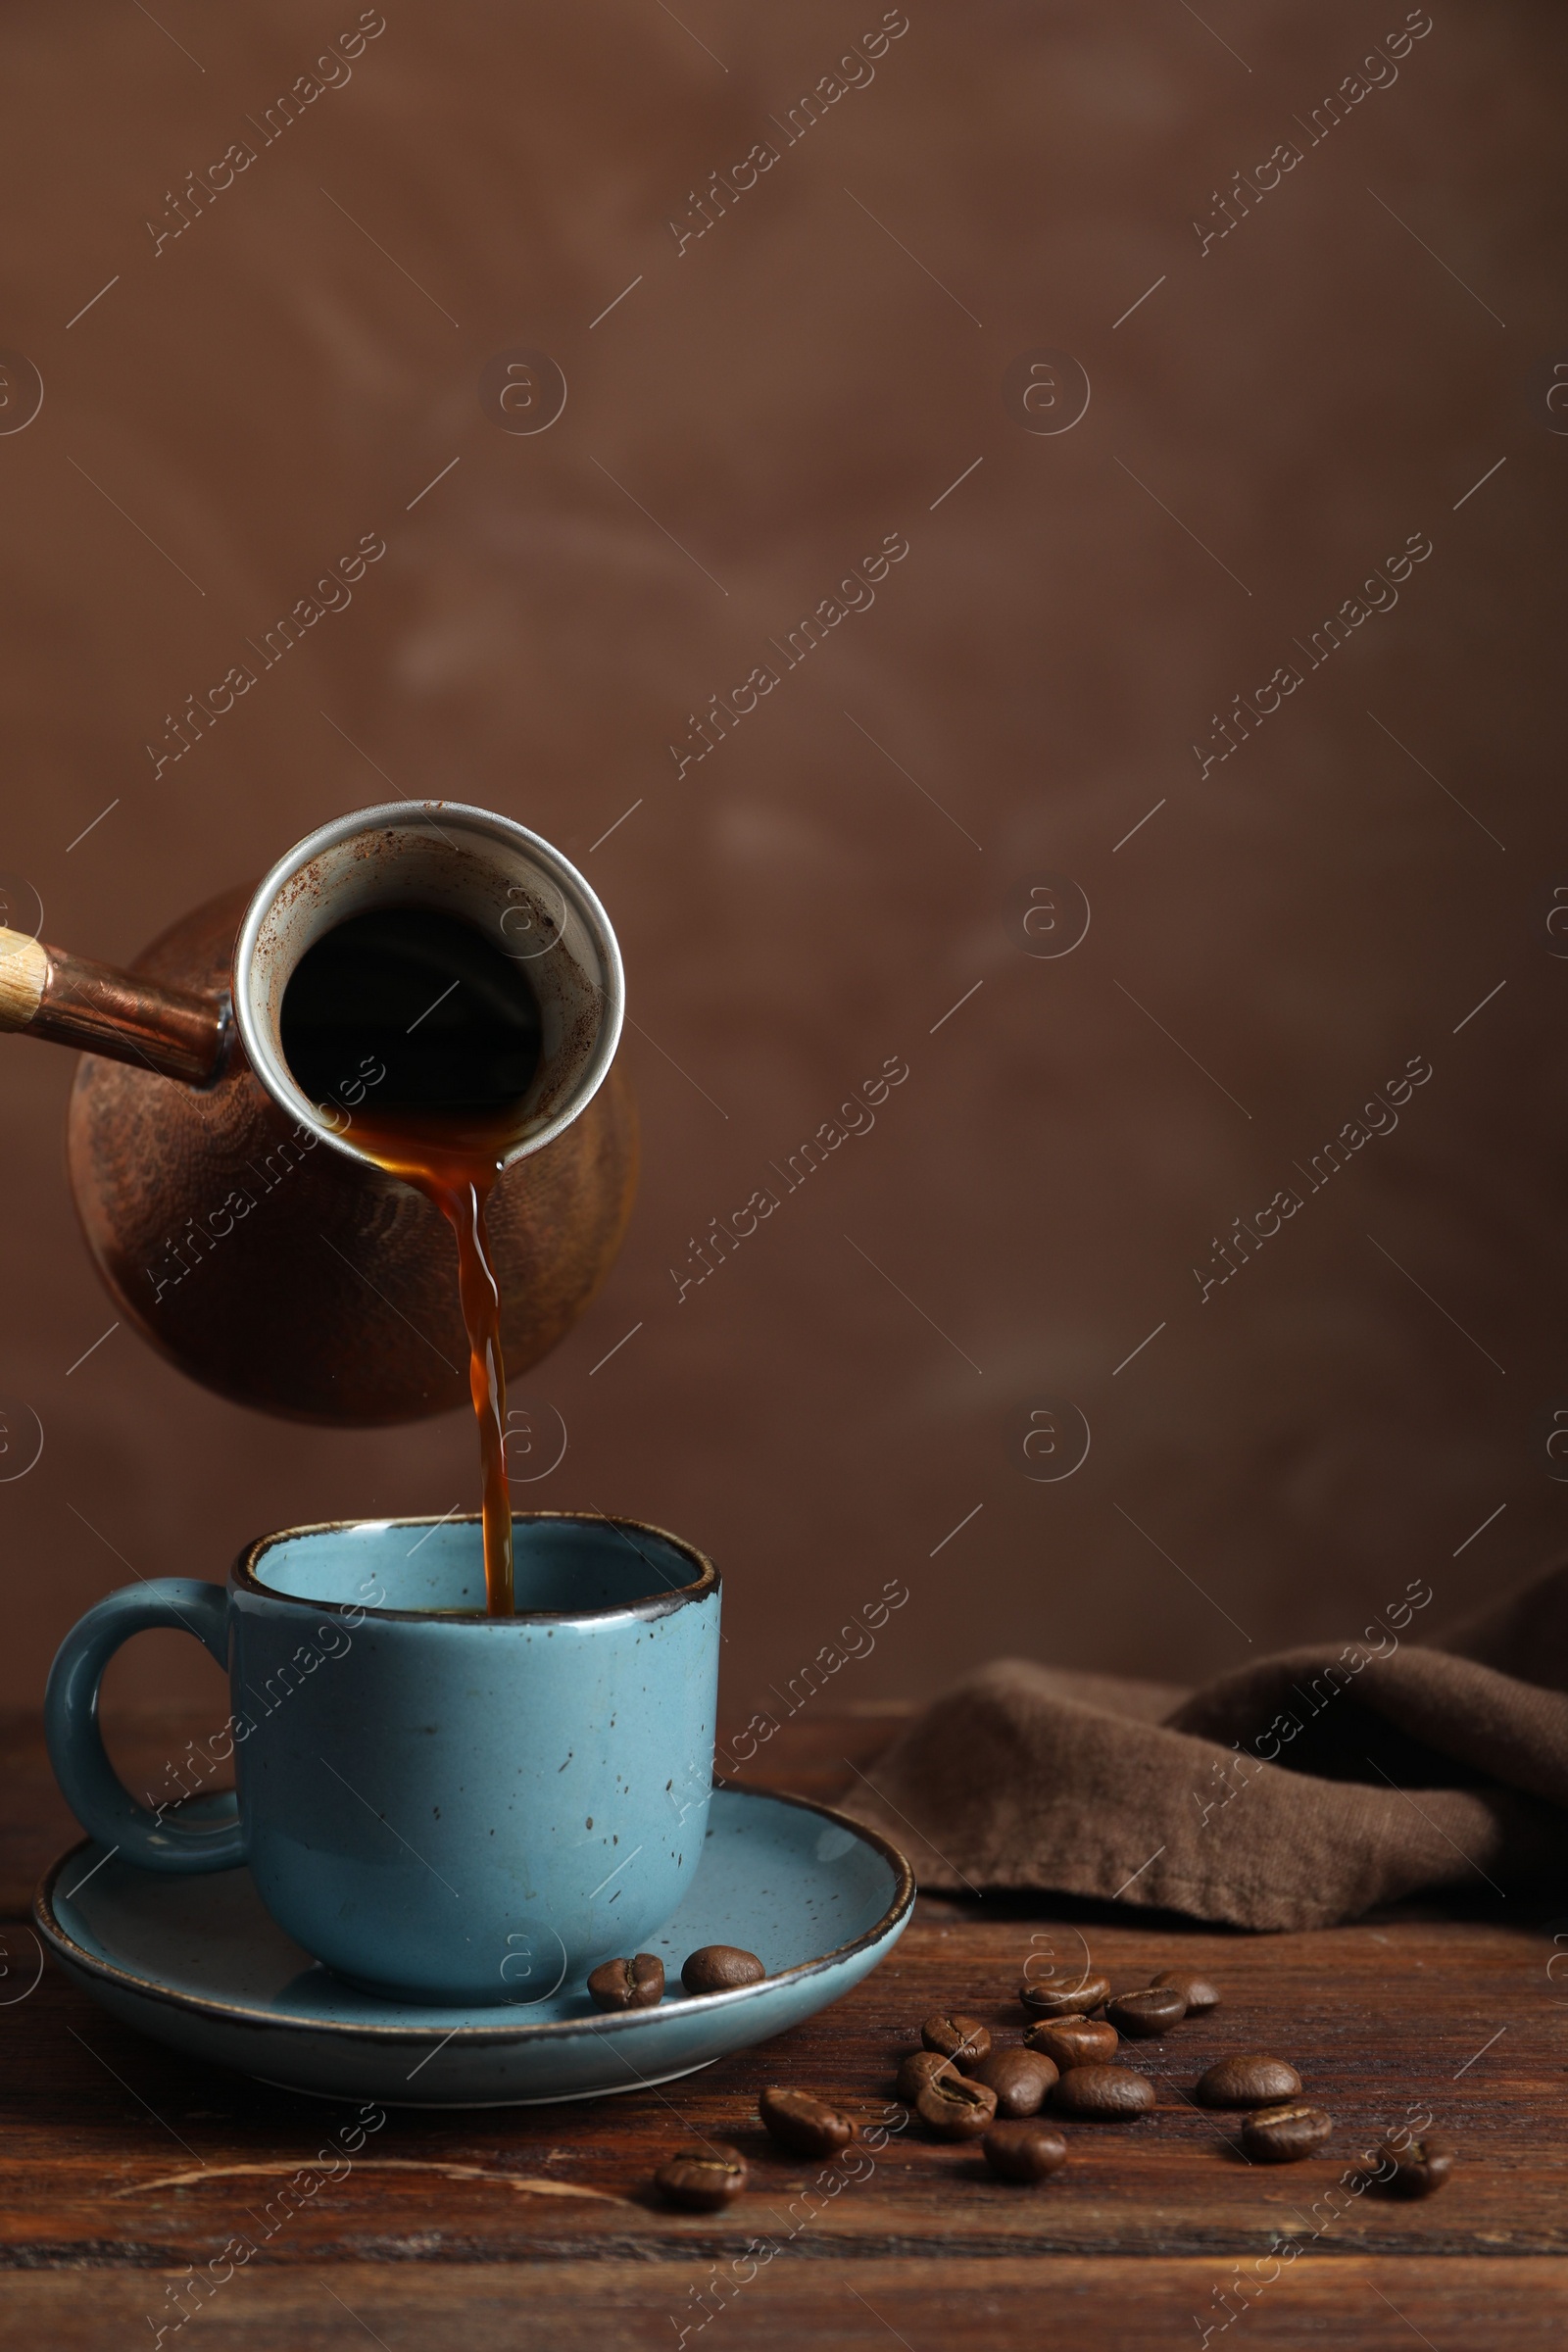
(1300, 1791)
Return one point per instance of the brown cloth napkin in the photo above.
(1297, 1792)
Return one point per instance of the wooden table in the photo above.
(473, 2230)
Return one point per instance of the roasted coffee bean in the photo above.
(1104, 2091)
(1250, 2082)
(805, 2125)
(1285, 2134)
(1062, 1995)
(1019, 2078)
(1197, 1992)
(956, 2108)
(954, 2036)
(701, 2179)
(635, 1983)
(1143, 2014)
(1024, 2151)
(719, 1968)
(1420, 2165)
(1073, 2041)
(919, 2069)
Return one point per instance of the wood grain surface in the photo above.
(129, 2170)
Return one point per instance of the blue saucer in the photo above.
(197, 1963)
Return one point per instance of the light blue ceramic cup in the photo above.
(434, 1802)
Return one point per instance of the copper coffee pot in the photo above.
(235, 1221)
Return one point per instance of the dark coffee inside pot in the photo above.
(426, 1036)
(450, 1017)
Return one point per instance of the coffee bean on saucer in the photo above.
(1249, 2082)
(635, 1983)
(918, 2067)
(1197, 1992)
(805, 2125)
(954, 2036)
(1284, 2134)
(956, 2108)
(701, 2179)
(719, 1968)
(1140, 2015)
(1073, 2041)
(1420, 2165)
(1062, 1995)
(1019, 2078)
(1024, 2151)
(1108, 2091)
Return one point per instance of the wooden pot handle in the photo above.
(23, 971)
(48, 993)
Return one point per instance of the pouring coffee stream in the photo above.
(447, 1028)
(435, 995)
(455, 1167)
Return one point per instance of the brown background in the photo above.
(780, 396)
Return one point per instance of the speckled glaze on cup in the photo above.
(436, 1803)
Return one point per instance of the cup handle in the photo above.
(89, 1782)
